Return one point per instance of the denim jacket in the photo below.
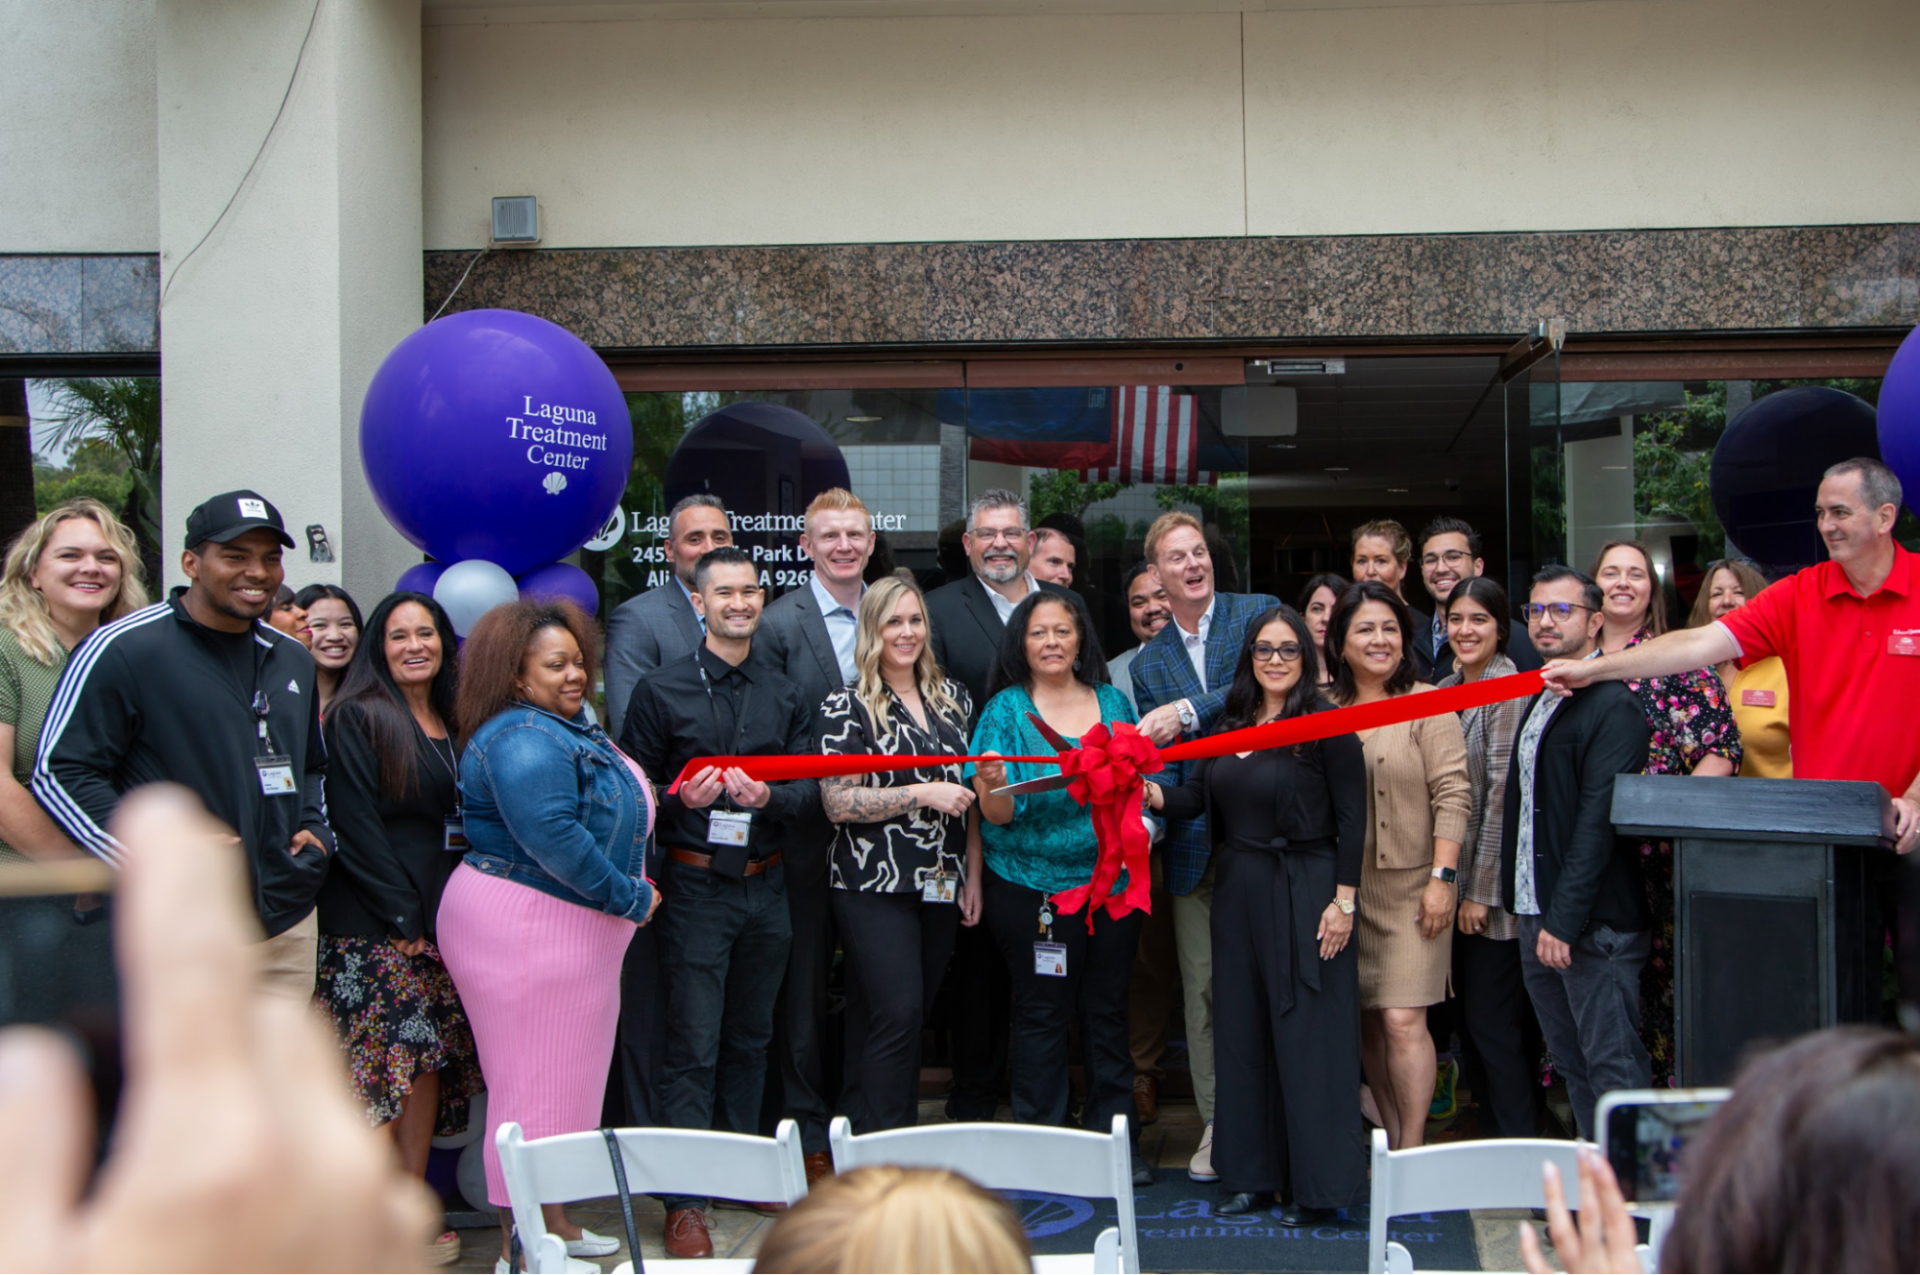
(548, 803)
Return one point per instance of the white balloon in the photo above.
(470, 589)
(476, 1125)
(471, 1176)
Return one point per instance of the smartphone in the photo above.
(1644, 1135)
(56, 966)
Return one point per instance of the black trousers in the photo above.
(800, 1016)
(1094, 990)
(1285, 1051)
(882, 933)
(633, 1091)
(1496, 1022)
(978, 999)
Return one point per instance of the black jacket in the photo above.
(153, 698)
(1584, 873)
(966, 632)
(391, 866)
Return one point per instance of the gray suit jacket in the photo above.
(793, 638)
(643, 633)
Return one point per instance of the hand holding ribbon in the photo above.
(1108, 773)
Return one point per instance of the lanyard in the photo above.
(452, 760)
(739, 717)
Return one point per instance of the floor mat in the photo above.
(1180, 1231)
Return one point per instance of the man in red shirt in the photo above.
(1848, 631)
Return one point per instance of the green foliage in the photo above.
(1670, 480)
(1063, 491)
(104, 420)
(109, 489)
(1224, 506)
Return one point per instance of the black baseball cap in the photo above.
(221, 518)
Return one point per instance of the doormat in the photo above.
(1180, 1231)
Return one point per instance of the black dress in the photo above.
(397, 1016)
(1288, 826)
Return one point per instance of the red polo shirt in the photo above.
(1853, 670)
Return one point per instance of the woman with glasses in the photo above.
(1693, 734)
(1417, 808)
(1288, 826)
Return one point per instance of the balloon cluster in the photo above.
(497, 442)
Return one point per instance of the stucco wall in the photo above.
(1391, 119)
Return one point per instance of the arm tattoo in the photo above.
(847, 800)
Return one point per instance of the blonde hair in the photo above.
(24, 611)
(1752, 583)
(1399, 543)
(834, 500)
(888, 1218)
(876, 605)
(1166, 524)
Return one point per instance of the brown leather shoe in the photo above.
(819, 1168)
(1146, 1098)
(687, 1234)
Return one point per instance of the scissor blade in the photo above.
(1046, 783)
(1048, 733)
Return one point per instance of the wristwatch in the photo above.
(1345, 905)
(1445, 874)
(1188, 718)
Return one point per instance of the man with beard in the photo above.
(1147, 613)
(1449, 553)
(968, 618)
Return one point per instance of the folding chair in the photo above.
(1496, 1173)
(1018, 1157)
(579, 1166)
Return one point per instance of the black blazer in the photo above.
(1585, 874)
(966, 633)
(793, 639)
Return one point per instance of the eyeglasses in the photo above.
(1562, 611)
(987, 535)
(1286, 653)
(1452, 557)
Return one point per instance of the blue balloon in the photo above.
(1767, 466)
(1900, 417)
(420, 578)
(560, 580)
(495, 435)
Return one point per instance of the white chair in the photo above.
(578, 1166)
(1496, 1173)
(1018, 1157)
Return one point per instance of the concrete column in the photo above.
(273, 326)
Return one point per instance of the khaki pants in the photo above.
(1193, 938)
(288, 960)
(1155, 967)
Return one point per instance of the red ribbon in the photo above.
(1109, 770)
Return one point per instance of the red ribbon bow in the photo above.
(1109, 772)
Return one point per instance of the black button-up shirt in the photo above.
(702, 706)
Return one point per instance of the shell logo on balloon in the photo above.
(453, 420)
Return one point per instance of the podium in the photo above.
(1777, 931)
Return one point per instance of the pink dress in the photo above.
(540, 980)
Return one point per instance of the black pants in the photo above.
(1286, 1033)
(800, 1017)
(882, 933)
(1496, 1022)
(978, 999)
(633, 1092)
(1094, 989)
(724, 948)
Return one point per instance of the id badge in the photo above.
(454, 837)
(276, 776)
(1899, 643)
(937, 889)
(1050, 959)
(728, 827)
(1757, 699)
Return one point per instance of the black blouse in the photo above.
(387, 876)
(898, 855)
(1281, 798)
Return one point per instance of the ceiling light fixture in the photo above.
(1337, 469)
(1402, 490)
(863, 420)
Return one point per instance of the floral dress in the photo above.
(1690, 717)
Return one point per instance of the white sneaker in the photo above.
(591, 1245)
(574, 1266)
(1200, 1168)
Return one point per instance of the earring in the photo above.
(1076, 666)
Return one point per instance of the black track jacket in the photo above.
(151, 699)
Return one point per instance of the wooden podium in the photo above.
(1777, 930)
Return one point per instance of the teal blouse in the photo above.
(1049, 844)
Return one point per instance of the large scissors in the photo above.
(1046, 783)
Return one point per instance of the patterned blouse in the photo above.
(898, 855)
(1491, 732)
(1690, 718)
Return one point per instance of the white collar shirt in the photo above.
(1002, 607)
(1196, 643)
(843, 626)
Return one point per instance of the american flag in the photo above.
(1156, 439)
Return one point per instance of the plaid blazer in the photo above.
(1491, 732)
(1162, 674)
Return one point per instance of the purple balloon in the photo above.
(496, 435)
(421, 578)
(1900, 417)
(559, 580)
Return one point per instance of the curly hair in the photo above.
(491, 659)
(24, 611)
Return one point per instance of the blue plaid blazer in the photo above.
(1162, 674)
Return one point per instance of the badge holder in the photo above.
(938, 888)
(275, 770)
(727, 832)
(1049, 957)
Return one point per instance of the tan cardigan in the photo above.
(1417, 789)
